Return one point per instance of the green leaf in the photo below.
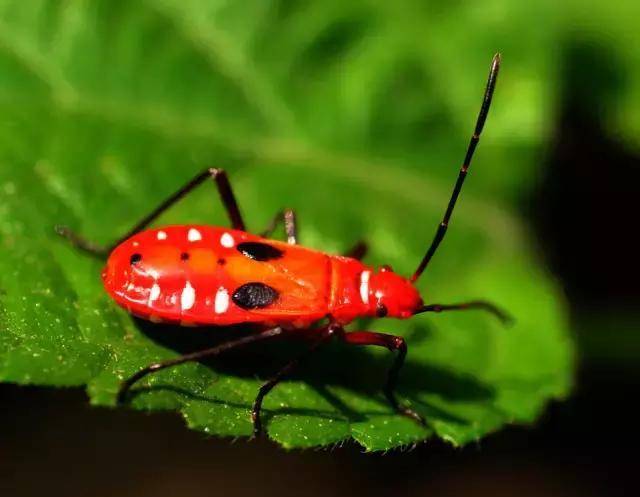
(351, 114)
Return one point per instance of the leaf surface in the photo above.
(335, 110)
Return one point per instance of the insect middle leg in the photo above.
(288, 217)
(226, 195)
(393, 343)
(324, 335)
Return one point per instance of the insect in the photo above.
(195, 275)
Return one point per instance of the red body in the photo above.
(188, 275)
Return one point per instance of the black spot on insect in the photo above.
(254, 296)
(259, 251)
(135, 258)
(184, 256)
(221, 261)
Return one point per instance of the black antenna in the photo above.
(475, 138)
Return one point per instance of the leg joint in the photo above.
(334, 329)
(399, 343)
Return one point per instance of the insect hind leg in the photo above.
(126, 385)
(227, 197)
(82, 243)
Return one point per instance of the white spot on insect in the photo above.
(153, 273)
(135, 244)
(161, 235)
(221, 303)
(154, 293)
(188, 297)
(364, 286)
(226, 240)
(194, 235)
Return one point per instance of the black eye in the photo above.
(254, 295)
(259, 251)
(135, 258)
(381, 310)
(184, 256)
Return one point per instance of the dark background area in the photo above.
(54, 443)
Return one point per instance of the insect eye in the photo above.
(381, 310)
(259, 251)
(135, 258)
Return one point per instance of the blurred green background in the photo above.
(357, 114)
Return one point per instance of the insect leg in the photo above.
(393, 343)
(325, 335)
(224, 189)
(288, 216)
(474, 304)
(195, 356)
(81, 243)
(358, 251)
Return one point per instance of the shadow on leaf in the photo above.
(335, 364)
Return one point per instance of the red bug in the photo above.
(204, 275)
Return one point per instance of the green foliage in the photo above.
(599, 41)
(357, 115)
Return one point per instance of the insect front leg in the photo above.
(226, 195)
(288, 217)
(325, 335)
(393, 343)
(126, 385)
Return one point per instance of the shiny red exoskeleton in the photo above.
(194, 275)
(190, 275)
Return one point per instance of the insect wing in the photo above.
(274, 279)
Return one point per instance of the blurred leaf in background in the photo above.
(356, 114)
(613, 89)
